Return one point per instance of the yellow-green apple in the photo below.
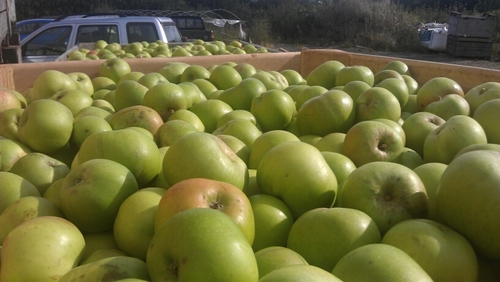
(240, 96)
(273, 221)
(486, 115)
(172, 71)
(435, 89)
(203, 245)
(133, 48)
(161, 50)
(20, 96)
(384, 74)
(308, 93)
(129, 93)
(372, 140)
(430, 173)
(180, 51)
(341, 165)
(448, 106)
(83, 82)
(284, 175)
(203, 155)
(13, 187)
(281, 79)
(472, 214)
(395, 125)
(25, 209)
(40, 170)
(205, 86)
(353, 73)
(93, 111)
(411, 83)
(355, 88)
(325, 74)
(188, 116)
(98, 241)
(45, 126)
(134, 224)
(310, 139)
(273, 109)
(172, 130)
(481, 93)
(210, 111)
(129, 147)
(332, 142)
(165, 98)
(76, 56)
(9, 123)
(103, 82)
(95, 256)
(91, 194)
(193, 72)
(409, 158)
(392, 264)
(441, 251)
(299, 272)
(377, 102)
(275, 257)
(120, 267)
(388, 192)
(49, 82)
(210, 194)
(237, 146)
(416, 128)
(265, 142)
(225, 77)
(237, 114)
(243, 129)
(399, 66)
(136, 116)
(250, 49)
(49, 246)
(133, 75)
(245, 69)
(73, 99)
(270, 81)
(293, 77)
(324, 235)
(397, 87)
(150, 79)
(52, 193)
(294, 90)
(192, 93)
(332, 111)
(104, 104)
(84, 127)
(444, 142)
(8, 100)
(114, 68)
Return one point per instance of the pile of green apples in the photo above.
(101, 50)
(231, 173)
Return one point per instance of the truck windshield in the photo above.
(172, 33)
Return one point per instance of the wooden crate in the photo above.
(472, 26)
(472, 47)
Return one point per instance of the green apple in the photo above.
(332, 142)
(416, 128)
(487, 115)
(134, 224)
(399, 66)
(441, 251)
(45, 126)
(203, 245)
(240, 96)
(379, 262)
(165, 98)
(98, 241)
(92, 193)
(237, 146)
(273, 221)
(310, 139)
(385, 74)
(448, 106)
(203, 155)
(189, 117)
(103, 82)
(84, 127)
(341, 165)
(25, 209)
(430, 173)
(270, 81)
(246, 70)
(332, 111)
(472, 214)
(411, 83)
(409, 158)
(172, 71)
(275, 257)
(308, 93)
(73, 99)
(180, 52)
(481, 93)
(281, 79)
(435, 89)
(193, 72)
(355, 88)
(265, 142)
(40, 170)
(325, 74)
(243, 129)
(9, 120)
(377, 102)
(161, 50)
(52, 193)
(299, 272)
(444, 142)
(192, 93)
(14, 187)
(388, 192)
(210, 111)
(104, 104)
(49, 82)
(129, 93)
(237, 114)
(225, 77)
(293, 77)
(150, 79)
(273, 109)
(172, 130)
(49, 246)
(294, 90)
(11, 151)
(372, 140)
(136, 116)
(397, 87)
(133, 48)
(83, 82)
(114, 68)
(93, 111)
(119, 267)
(133, 75)
(76, 56)
(354, 73)
(395, 125)
(324, 235)
(284, 174)
(205, 86)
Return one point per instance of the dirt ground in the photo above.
(425, 55)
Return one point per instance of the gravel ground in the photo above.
(425, 55)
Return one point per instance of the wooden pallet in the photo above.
(472, 47)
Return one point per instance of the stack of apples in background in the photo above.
(230, 173)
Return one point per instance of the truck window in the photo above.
(172, 33)
(52, 41)
(93, 33)
(138, 32)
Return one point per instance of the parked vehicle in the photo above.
(193, 27)
(25, 27)
(53, 39)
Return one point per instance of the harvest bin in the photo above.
(21, 76)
